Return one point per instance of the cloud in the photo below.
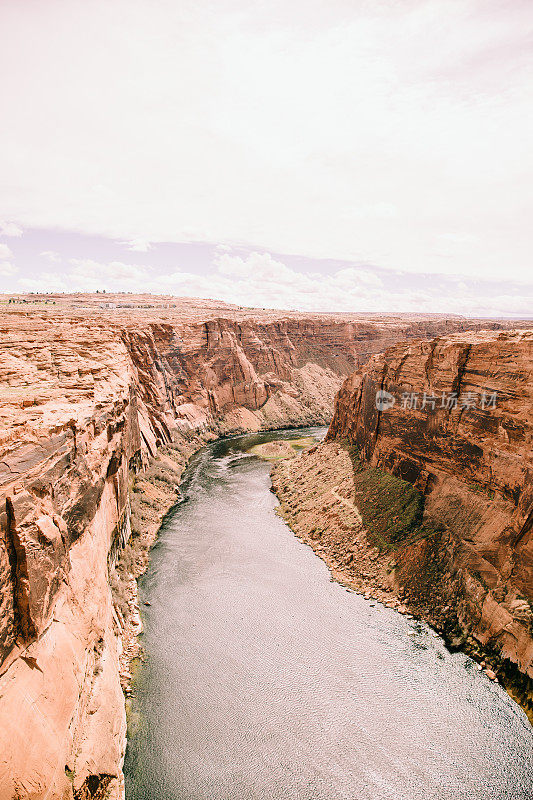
(257, 267)
(260, 279)
(355, 131)
(7, 269)
(5, 252)
(351, 276)
(90, 275)
(10, 229)
(46, 282)
(138, 245)
(260, 275)
(51, 255)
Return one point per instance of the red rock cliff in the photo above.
(473, 462)
(86, 398)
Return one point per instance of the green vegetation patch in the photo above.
(302, 443)
(482, 490)
(281, 448)
(391, 508)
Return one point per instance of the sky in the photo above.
(355, 155)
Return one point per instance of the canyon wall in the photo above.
(460, 432)
(87, 398)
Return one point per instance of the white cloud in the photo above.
(91, 275)
(256, 266)
(138, 245)
(260, 280)
(87, 275)
(47, 282)
(7, 269)
(51, 255)
(351, 276)
(10, 229)
(5, 252)
(357, 131)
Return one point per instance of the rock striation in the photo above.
(90, 392)
(461, 433)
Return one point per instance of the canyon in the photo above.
(102, 402)
(422, 497)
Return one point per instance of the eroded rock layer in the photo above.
(88, 395)
(460, 431)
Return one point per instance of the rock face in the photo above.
(461, 432)
(87, 396)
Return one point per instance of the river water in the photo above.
(265, 680)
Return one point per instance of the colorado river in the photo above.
(265, 680)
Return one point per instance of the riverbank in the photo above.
(319, 501)
(314, 502)
(153, 493)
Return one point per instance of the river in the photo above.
(266, 680)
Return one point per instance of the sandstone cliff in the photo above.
(87, 397)
(443, 490)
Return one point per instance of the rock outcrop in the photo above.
(88, 395)
(442, 473)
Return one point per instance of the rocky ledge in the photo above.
(425, 498)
